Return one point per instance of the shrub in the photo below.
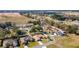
(36, 29)
(72, 29)
(19, 32)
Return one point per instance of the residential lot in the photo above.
(39, 30)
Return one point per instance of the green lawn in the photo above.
(32, 44)
(44, 41)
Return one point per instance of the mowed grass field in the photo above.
(70, 41)
(13, 17)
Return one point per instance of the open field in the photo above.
(70, 41)
(13, 17)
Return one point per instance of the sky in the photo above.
(38, 4)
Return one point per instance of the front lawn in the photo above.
(32, 44)
(44, 41)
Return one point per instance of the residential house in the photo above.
(10, 43)
(25, 40)
(37, 37)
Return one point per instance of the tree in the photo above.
(72, 29)
(50, 21)
(58, 17)
(35, 22)
(2, 34)
(36, 28)
(3, 26)
(20, 32)
(8, 24)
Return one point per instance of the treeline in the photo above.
(63, 17)
(73, 29)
